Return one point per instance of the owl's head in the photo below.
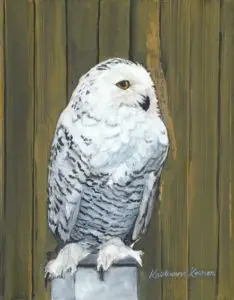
(117, 83)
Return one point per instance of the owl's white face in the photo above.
(117, 83)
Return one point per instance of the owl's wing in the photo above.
(150, 194)
(64, 184)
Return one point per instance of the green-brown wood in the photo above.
(114, 29)
(145, 49)
(46, 47)
(203, 154)
(82, 39)
(50, 99)
(19, 110)
(1, 145)
(226, 155)
(175, 47)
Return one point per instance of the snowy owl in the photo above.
(107, 155)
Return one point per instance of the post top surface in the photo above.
(91, 261)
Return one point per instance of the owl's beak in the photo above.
(145, 103)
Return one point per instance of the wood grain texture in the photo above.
(203, 155)
(50, 99)
(225, 280)
(145, 48)
(2, 146)
(175, 47)
(82, 39)
(114, 28)
(46, 48)
(19, 111)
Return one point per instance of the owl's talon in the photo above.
(66, 261)
(115, 250)
(47, 278)
(101, 273)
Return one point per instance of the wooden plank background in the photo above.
(1, 144)
(18, 179)
(189, 48)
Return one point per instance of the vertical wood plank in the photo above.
(143, 15)
(203, 220)
(19, 50)
(175, 41)
(50, 99)
(145, 48)
(225, 280)
(82, 39)
(114, 29)
(2, 79)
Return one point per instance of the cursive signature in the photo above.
(194, 272)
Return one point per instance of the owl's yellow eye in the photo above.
(124, 84)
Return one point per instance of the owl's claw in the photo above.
(113, 251)
(101, 273)
(65, 262)
(47, 279)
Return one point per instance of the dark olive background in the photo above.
(45, 45)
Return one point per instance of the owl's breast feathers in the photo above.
(104, 173)
(110, 141)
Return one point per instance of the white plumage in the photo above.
(106, 160)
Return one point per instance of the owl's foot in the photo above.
(115, 250)
(66, 261)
